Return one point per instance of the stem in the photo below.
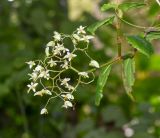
(106, 64)
(116, 59)
(74, 69)
(133, 25)
(119, 41)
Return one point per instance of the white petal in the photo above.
(39, 93)
(47, 92)
(44, 111)
(76, 37)
(83, 74)
(69, 96)
(89, 37)
(47, 51)
(68, 103)
(94, 63)
(51, 43)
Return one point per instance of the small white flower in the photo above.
(81, 30)
(42, 92)
(44, 111)
(47, 51)
(86, 38)
(70, 56)
(31, 64)
(158, 2)
(94, 63)
(65, 81)
(59, 48)
(75, 36)
(34, 76)
(52, 63)
(67, 104)
(57, 36)
(56, 51)
(38, 93)
(44, 74)
(68, 96)
(83, 74)
(32, 86)
(47, 92)
(69, 87)
(51, 43)
(38, 68)
(65, 65)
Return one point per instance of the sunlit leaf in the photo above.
(153, 35)
(108, 6)
(128, 74)
(141, 44)
(98, 24)
(101, 83)
(131, 5)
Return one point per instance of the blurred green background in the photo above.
(25, 28)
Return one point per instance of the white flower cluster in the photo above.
(46, 74)
(80, 35)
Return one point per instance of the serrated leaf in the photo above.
(98, 24)
(153, 35)
(131, 5)
(101, 83)
(108, 6)
(141, 44)
(128, 75)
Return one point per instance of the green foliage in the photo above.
(153, 35)
(26, 27)
(130, 5)
(92, 28)
(101, 83)
(128, 74)
(141, 44)
(124, 6)
(108, 6)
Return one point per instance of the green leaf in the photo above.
(128, 6)
(128, 75)
(141, 44)
(101, 83)
(153, 35)
(108, 6)
(98, 24)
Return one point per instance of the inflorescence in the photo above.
(46, 77)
